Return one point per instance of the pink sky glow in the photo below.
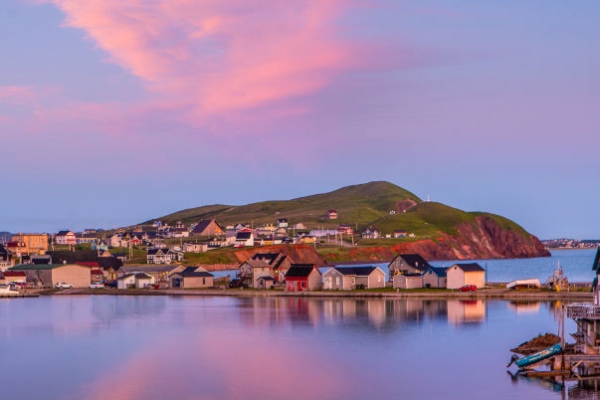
(499, 101)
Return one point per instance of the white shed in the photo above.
(407, 281)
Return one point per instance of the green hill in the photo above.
(434, 230)
(357, 205)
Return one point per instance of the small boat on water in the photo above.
(537, 357)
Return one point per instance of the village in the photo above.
(93, 259)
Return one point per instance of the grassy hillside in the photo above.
(380, 205)
(356, 205)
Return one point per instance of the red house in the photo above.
(15, 276)
(302, 277)
(96, 275)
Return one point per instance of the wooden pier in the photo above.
(18, 296)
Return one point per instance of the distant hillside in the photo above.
(435, 230)
(356, 205)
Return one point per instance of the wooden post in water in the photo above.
(562, 334)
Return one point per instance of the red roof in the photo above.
(14, 273)
(96, 272)
(88, 263)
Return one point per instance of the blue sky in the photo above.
(113, 112)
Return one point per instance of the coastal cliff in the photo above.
(484, 239)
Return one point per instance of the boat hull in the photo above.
(539, 356)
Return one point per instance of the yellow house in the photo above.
(34, 243)
(307, 240)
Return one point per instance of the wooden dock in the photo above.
(18, 296)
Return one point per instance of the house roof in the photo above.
(131, 269)
(358, 271)
(469, 267)
(258, 263)
(36, 259)
(192, 272)
(243, 235)
(152, 252)
(269, 257)
(39, 267)
(273, 259)
(439, 271)
(110, 262)
(14, 273)
(64, 233)
(92, 264)
(415, 261)
(300, 270)
(203, 224)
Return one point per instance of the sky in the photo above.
(114, 112)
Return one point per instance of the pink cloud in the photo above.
(21, 95)
(221, 56)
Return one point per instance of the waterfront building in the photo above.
(407, 264)
(48, 275)
(435, 277)
(191, 278)
(302, 277)
(459, 275)
(350, 278)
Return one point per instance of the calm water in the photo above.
(160, 347)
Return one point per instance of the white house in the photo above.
(195, 247)
(137, 280)
(158, 256)
(65, 237)
(349, 278)
(244, 238)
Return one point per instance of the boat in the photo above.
(8, 290)
(539, 356)
(524, 283)
(558, 281)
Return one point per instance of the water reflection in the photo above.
(525, 306)
(128, 347)
(588, 389)
(374, 313)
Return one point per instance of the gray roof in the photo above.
(415, 261)
(300, 270)
(358, 271)
(190, 272)
(439, 271)
(469, 267)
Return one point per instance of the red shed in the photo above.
(301, 277)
